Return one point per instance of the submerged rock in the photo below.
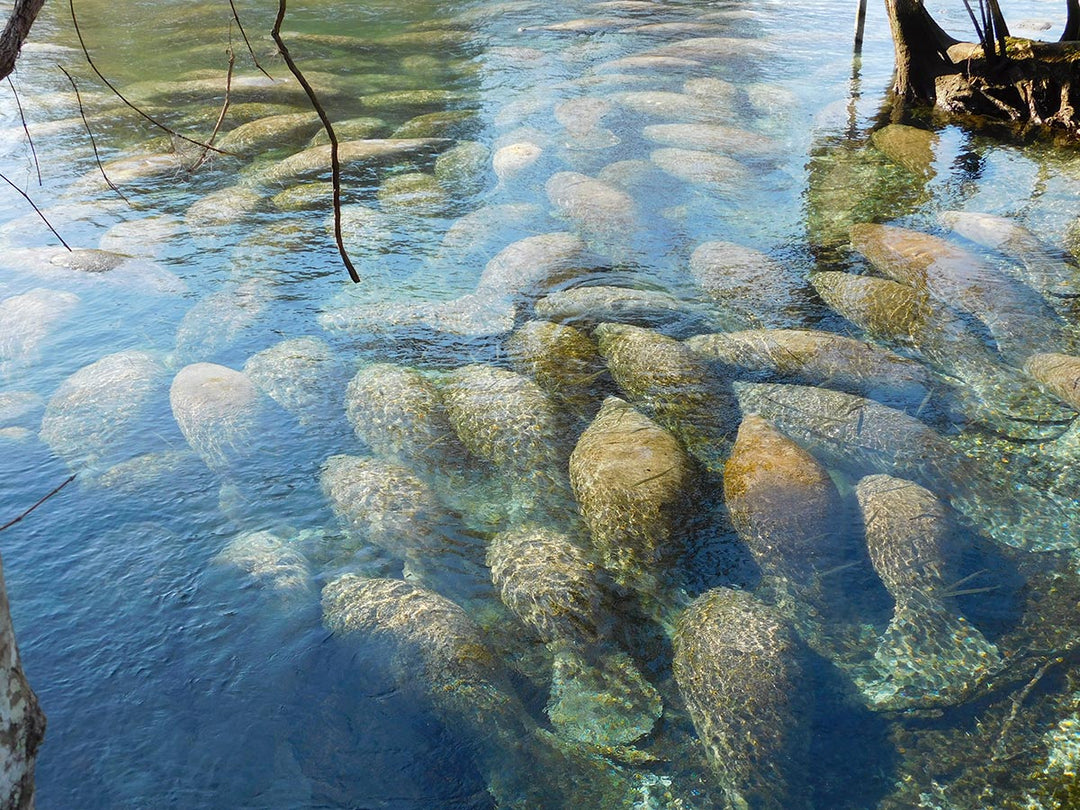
(549, 582)
(633, 483)
(675, 387)
(812, 357)
(929, 655)
(738, 667)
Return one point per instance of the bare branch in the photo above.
(221, 115)
(335, 165)
(15, 33)
(119, 95)
(43, 219)
(26, 129)
(13, 521)
(93, 143)
(243, 33)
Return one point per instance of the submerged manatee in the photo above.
(903, 316)
(564, 362)
(1051, 272)
(271, 132)
(1060, 373)
(98, 414)
(863, 436)
(604, 215)
(755, 289)
(26, 321)
(718, 138)
(438, 651)
(929, 655)
(738, 667)
(674, 386)
(550, 583)
(812, 357)
(588, 306)
(274, 564)
(632, 481)
(302, 375)
(783, 504)
(1018, 318)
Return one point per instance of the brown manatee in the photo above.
(739, 669)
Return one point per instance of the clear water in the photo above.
(172, 679)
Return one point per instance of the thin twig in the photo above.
(999, 746)
(11, 523)
(243, 33)
(119, 95)
(90, 132)
(224, 109)
(43, 219)
(335, 166)
(26, 129)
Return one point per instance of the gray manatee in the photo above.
(302, 375)
(753, 288)
(674, 386)
(588, 306)
(550, 582)
(929, 655)
(737, 664)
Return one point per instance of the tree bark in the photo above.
(15, 33)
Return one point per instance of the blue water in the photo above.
(171, 679)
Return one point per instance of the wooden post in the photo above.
(860, 25)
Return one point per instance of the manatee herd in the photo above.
(611, 513)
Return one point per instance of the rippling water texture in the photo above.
(547, 204)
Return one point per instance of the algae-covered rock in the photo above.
(783, 504)
(399, 413)
(813, 357)
(96, 414)
(1018, 318)
(929, 655)
(564, 362)
(756, 289)
(633, 483)
(550, 583)
(674, 386)
(588, 306)
(738, 667)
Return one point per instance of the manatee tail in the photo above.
(928, 656)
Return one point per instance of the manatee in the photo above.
(581, 120)
(720, 92)
(98, 414)
(273, 563)
(813, 357)
(633, 483)
(399, 413)
(717, 173)
(1020, 321)
(755, 289)
(303, 375)
(738, 666)
(911, 147)
(674, 386)
(88, 260)
(1060, 373)
(436, 649)
(315, 160)
(351, 129)
(220, 320)
(20, 408)
(898, 314)
(603, 214)
(650, 64)
(929, 655)
(715, 138)
(1051, 272)
(464, 167)
(550, 583)
(146, 236)
(441, 124)
(414, 193)
(508, 420)
(681, 107)
(272, 132)
(475, 236)
(864, 437)
(783, 504)
(588, 306)
(512, 160)
(564, 362)
(529, 267)
(26, 321)
(226, 206)
(711, 49)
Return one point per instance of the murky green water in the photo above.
(389, 551)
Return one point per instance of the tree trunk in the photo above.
(15, 33)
